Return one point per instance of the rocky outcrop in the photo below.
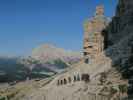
(93, 37)
(120, 40)
(121, 22)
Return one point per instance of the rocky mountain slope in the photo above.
(45, 61)
(120, 35)
(121, 23)
(12, 69)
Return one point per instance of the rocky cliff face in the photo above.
(122, 22)
(120, 40)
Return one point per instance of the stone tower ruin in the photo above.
(93, 36)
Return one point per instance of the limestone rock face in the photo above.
(122, 21)
(120, 40)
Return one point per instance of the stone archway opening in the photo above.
(58, 83)
(85, 77)
(69, 79)
(65, 81)
(75, 79)
(61, 82)
(78, 77)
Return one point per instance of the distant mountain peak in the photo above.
(48, 52)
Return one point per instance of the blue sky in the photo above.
(26, 24)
